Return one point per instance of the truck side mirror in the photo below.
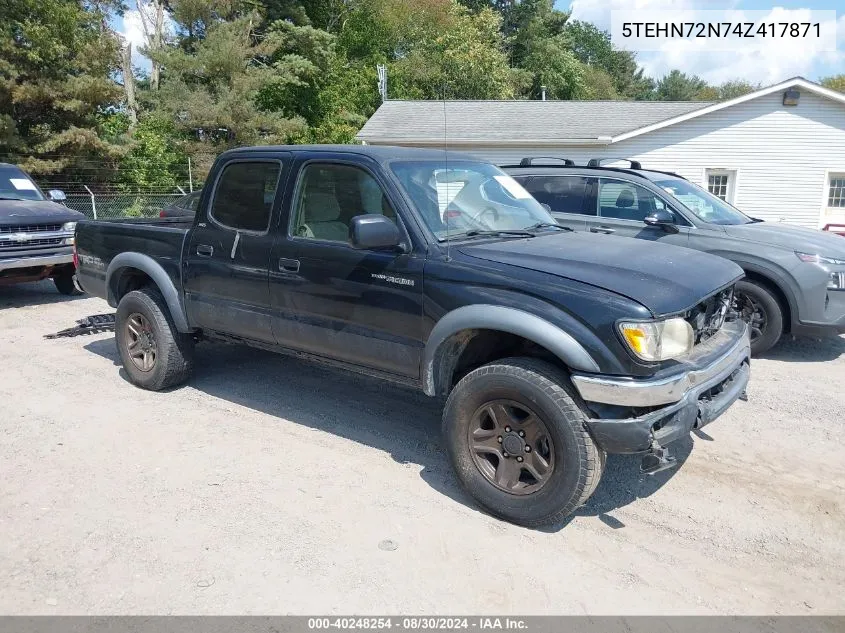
(663, 219)
(374, 232)
(56, 195)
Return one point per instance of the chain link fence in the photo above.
(104, 206)
(104, 202)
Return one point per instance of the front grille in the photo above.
(50, 241)
(30, 228)
(708, 316)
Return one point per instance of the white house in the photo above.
(777, 153)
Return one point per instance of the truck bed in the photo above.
(161, 239)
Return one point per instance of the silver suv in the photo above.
(794, 277)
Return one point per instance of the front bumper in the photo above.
(35, 261)
(689, 395)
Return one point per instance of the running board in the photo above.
(94, 324)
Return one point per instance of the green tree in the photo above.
(836, 82)
(57, 63)
(728, 90)
(153, 160)
(592, 46)
(598, 84)
(212, 86)
(677, 86)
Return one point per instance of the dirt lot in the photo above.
(268, 485)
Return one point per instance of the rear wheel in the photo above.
(516, 438)
(759, 307)
(154, 353)
(64, 283)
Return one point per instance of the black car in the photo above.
(794, 276)
(549, 347)
(36, 232)
(186, 206)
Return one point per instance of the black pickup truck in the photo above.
(551, 348)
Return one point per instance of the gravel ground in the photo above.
(271, 486)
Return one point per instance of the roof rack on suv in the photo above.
(597, 162)
(529, 161)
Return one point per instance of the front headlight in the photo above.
(69, 226)
(812, 258)
(658, 340)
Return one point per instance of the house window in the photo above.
(720, 183)
(836, 191)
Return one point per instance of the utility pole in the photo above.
(129, 85)
(382, 81)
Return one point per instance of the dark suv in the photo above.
(794, 276)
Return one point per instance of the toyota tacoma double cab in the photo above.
(36, 232)
(551, 348)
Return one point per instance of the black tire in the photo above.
(755, 300)
(544, 389)
(173, 356)
(64, 283)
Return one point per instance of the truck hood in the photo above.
(17, 212)
(665, 279)
(796, 238)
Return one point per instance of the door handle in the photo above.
(204, 250)
(602, 229)
(288, 265)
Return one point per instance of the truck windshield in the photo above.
(460, 197)
(702, 203)
(16, 185)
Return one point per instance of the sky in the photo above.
(770, 66)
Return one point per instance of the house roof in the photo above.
(545, 122)
(497, 121)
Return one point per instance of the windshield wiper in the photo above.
(497, 233)
(8, 198)
(547, 225)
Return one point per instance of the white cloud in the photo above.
(774, 63)
(133, 32)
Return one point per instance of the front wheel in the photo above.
(155, 354)
(761, 310)
(516, 438)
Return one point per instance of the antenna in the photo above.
(446, 161)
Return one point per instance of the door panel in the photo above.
(329, 299)
(226, 264)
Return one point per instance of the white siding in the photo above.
(781, 153)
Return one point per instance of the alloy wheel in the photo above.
(140, 342)
(511, 447)
(753, 313)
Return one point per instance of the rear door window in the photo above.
(626, 201)
(244, 194)
(563, 194)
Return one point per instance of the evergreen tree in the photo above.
(57, 63)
